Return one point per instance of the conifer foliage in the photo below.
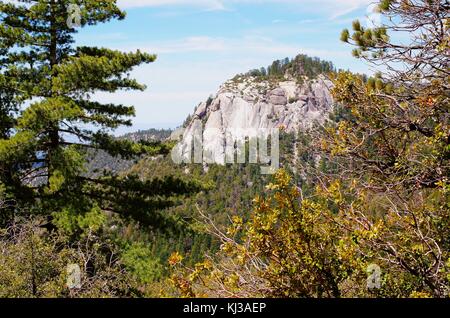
(52, 81)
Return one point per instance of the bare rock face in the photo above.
(248, 104)
(278, 97)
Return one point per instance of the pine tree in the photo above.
(42, 149)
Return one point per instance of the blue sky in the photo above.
(202, 43)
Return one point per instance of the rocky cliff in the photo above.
(248, 104)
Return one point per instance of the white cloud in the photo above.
(207, 4)
(189, 44)
(254, 46)
(334, 8)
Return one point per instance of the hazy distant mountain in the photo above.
(101, 161)
(148, 135)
